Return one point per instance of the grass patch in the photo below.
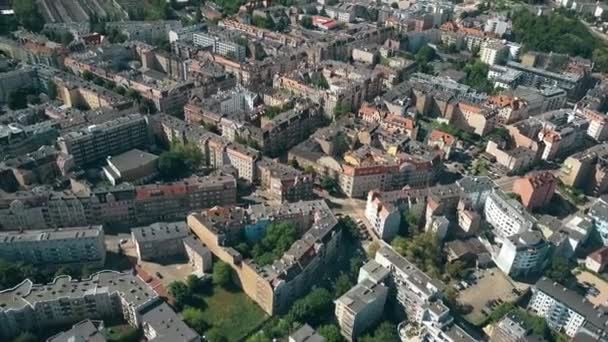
(122, 332)
(232, 312)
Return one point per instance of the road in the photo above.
(353, 207)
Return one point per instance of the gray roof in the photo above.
(573, 300)
(84, 331)
(160, 231)
(167, 324)
(130, 287)
(362, 295)
(131, 159)
(306, 334)
(9, 237)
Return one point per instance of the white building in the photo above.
(220, 46)
(360, 307)
(507, 215)
(566, 310)
(523, 254)
(493, 52)
(63, 246)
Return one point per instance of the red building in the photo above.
(536, 189)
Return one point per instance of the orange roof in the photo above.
(469, 108)
(449, 26)
(400, 120)
(440, 135)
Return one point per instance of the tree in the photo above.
(27, 14)
(423, 57)
(180, 161)
(87, 75)
(329, 184)
(279, 236)
(222, 274)
(306, 22)
(395, 5)
(51, 89)
(215, 335)
(372, 249)
(477, 76)
(560, 270)
(312, 307)
(331, 332)
(180, 291)
(18, 98)
(193, 282)
(600, 57)
(350, 231)
(399, 244)
(385, 332)
(26, 337)
(456, 269)
(195, 319)
(343, 284)
(340, 144)
(158, 10)
(424, 250)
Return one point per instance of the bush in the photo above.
(222, 274)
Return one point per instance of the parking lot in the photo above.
(490, 289)
(598, 288)
(166, 272)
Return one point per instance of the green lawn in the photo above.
(232, 312)
(122, 333)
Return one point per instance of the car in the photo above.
(123, 241)
(159, 275)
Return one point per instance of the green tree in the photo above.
(306, 22)
(600, 58)
(180, 291)
(477, 76)
(27, 14)
(311, 308)
(195, 318)
(180, 161)
(215, 335)
(560, 270)
(372, 249)
(222, 274)
(193, 282)
(424, 250)
(395, 5)
(158, 10)
(350, 231)
(18, 99)
(329, 184)
(425, 55)
(456, 269)
(279, 236)
(343, 284)
(51, 89)
(331, 332)
(26, 337)
(385, 332)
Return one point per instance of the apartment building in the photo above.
(493, 52)
(598, 124)
(383, 208)
(17, 139)
(535, 190)
(574, 83)
(87, 330)
(159, 240)
(523, 254)
(96, 142)
(567, 311)
(220, 46)
(285, 182)
(598, 213)
(360, 308)
(145, 31)
(124, 204)
(76, 246)
(419, 295)
(586, 170)
(506, 215)
(274, 287)
(105, 295)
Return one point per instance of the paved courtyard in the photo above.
(600, 284)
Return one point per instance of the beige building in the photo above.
(360, 308)
(273, 287)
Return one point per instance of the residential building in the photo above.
(567, 311)
(306, 334)
(523, 254)
(134, 166)
(159, 240)
(598, 213)
(506, 215)
(220, 46)
(598, 124)
(75, 247)
(96, 142)
(493, 52)
(161, 323)
(145, 31)
(285, 182)
(105, 295)
(84, 331)
(597, 260)
(360, 307)
(535, 190)
(511, 328)
(274, 287)
(586, 170)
